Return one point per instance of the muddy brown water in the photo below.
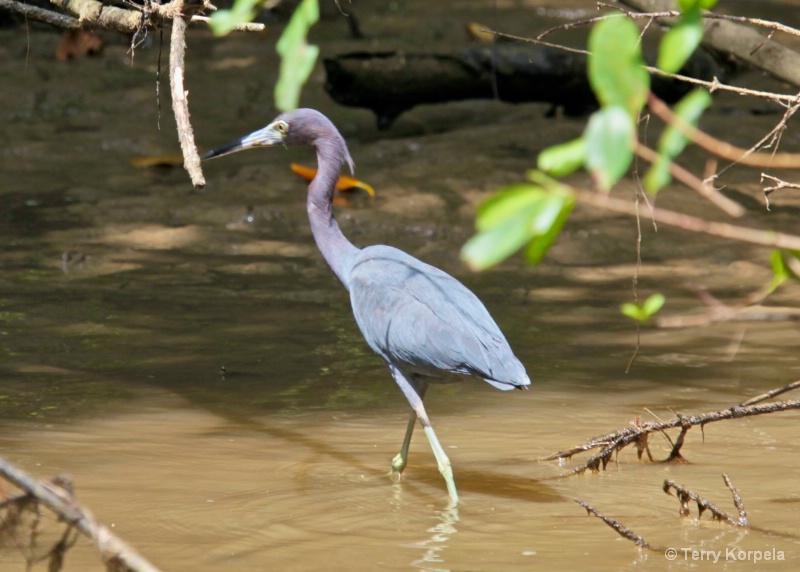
(197, 372)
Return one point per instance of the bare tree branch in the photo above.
(58, 498)
(779, 184)
(622, 530)
(722, 148)
(692, 223)
(41, 15)
(685, 495)
(88, 14)
(770, 394)
(611, 443)
(703, 188)
(180, 102)
(91, 13)
(737, 501)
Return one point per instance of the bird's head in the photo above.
(299, 127)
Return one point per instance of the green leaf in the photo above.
(686, 5)
(297, 56)
(488, 248)
(609, 145)
(556, 211)
(643, 312)
(224, 21)
(791, 261)
(653, 304)
(616, 66)
(781, 272)
(513, 217)
(778, 265)
(672, 141)
(561, 160)
(633, 311)
(506, 203)
(680, 42)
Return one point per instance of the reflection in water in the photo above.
(432, 559)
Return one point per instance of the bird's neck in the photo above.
(338, 252)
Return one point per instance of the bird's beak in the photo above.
(266, 137)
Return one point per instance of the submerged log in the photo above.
(390, 83)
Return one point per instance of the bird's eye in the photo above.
(281, 127)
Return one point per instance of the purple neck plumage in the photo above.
(338, 252)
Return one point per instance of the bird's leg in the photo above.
(409, 388)
(401, 459)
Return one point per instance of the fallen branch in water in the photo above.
(57, 495)
(685, 495)
(622, 530)
(770, 394)
(638, 433)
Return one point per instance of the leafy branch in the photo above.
(609, 144)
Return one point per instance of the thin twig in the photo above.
(779, 184)
(650, 16)
(771, 139)
(247, 27)
(728, 206)
(756, 313)
(712, 86)
(685, 495)
(774, 26)
(721, 148)
(737, 501)
(620, 529)
(675, 452)
(735, 40)
(692, 223)
(748, 309)
(635, 279)
(770, 394)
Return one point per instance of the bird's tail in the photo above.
(519, 381)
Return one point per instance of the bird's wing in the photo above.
(416, 315)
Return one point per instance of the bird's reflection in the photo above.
(437, 537)
(433, 558)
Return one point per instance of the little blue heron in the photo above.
(426, 325)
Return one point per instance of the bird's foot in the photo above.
(398, 466)
(447, 473)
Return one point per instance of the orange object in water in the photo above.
(157, 161)
(342, 184)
